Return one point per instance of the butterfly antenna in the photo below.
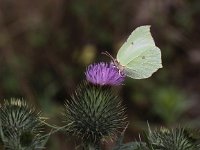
(108, 54)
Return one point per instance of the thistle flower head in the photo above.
(104, 74)
(94, 113)
(20, 126)
(167, 139)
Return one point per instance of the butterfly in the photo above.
(138, 57)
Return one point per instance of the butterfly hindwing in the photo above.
(144, 65)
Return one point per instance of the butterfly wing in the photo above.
(139, 55)
(144, 65)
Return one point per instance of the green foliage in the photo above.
(20, 126)
(94, 113)
(128, 146)
(169, 103)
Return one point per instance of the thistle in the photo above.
(94, 113)
(20, 126)
(170, 139)
(104, 74)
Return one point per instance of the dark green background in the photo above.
(45, 47)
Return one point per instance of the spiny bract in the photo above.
(170, 139)
(94, 113)
(20, 126)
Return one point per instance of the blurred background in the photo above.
(45, 47)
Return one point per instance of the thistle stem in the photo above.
(1, 132)
(92, 146)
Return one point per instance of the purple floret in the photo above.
(104, 74)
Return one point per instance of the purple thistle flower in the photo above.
(104, 74)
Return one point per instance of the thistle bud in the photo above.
(20, 126)
(94, 113)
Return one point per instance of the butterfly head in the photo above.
(114, 62)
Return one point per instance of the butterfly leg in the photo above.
(121, 73)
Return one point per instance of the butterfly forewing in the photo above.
(136, 43)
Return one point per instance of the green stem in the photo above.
(92, 146)
(1, 132)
